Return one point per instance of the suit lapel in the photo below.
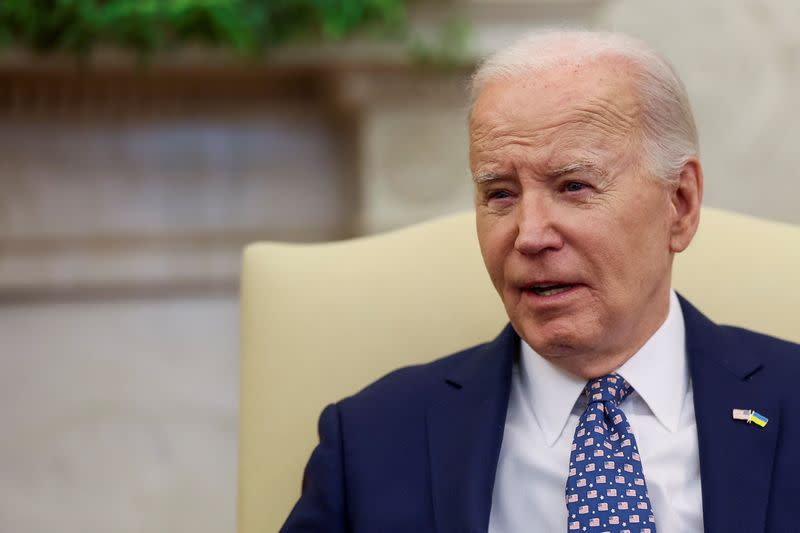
(465, 432)
(735, 457)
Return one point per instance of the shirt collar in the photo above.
(658, 372)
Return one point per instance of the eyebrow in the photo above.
(575, 166)
(485, 178)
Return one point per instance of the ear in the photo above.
(685, 200)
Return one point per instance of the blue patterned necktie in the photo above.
(606, 491)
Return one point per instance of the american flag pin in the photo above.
(750, 416)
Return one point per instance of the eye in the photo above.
(574, 186)
(498, 195)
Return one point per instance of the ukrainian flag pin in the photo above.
(750, 416)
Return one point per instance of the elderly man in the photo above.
(609, 404)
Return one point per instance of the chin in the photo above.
(554, 342)
(559, 349)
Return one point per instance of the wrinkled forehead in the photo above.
(599, 94)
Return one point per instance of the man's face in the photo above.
(574, 232)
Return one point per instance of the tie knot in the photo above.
(610, 388)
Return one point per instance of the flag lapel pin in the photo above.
(750, 416)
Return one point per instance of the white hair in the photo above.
(668, 132)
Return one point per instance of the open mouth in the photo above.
(550, 289)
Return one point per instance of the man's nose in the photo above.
(537, 227)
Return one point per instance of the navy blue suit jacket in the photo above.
(417, 450)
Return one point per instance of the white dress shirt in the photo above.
(543, 411)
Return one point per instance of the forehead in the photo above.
(591, 105)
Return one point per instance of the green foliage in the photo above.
(147, 26)
(446, 51)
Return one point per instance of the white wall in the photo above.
(119, 416)
(741, 65)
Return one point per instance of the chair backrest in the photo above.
(318, 322)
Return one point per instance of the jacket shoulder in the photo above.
(773, 351)
(779, 370)
(412, 384)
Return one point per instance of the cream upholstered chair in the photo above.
(321, 321)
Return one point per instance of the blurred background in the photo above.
(144, 142)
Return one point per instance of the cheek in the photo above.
(494, 249)
(632, 264)
(492, 259)
(650, 248)
(613, 259)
